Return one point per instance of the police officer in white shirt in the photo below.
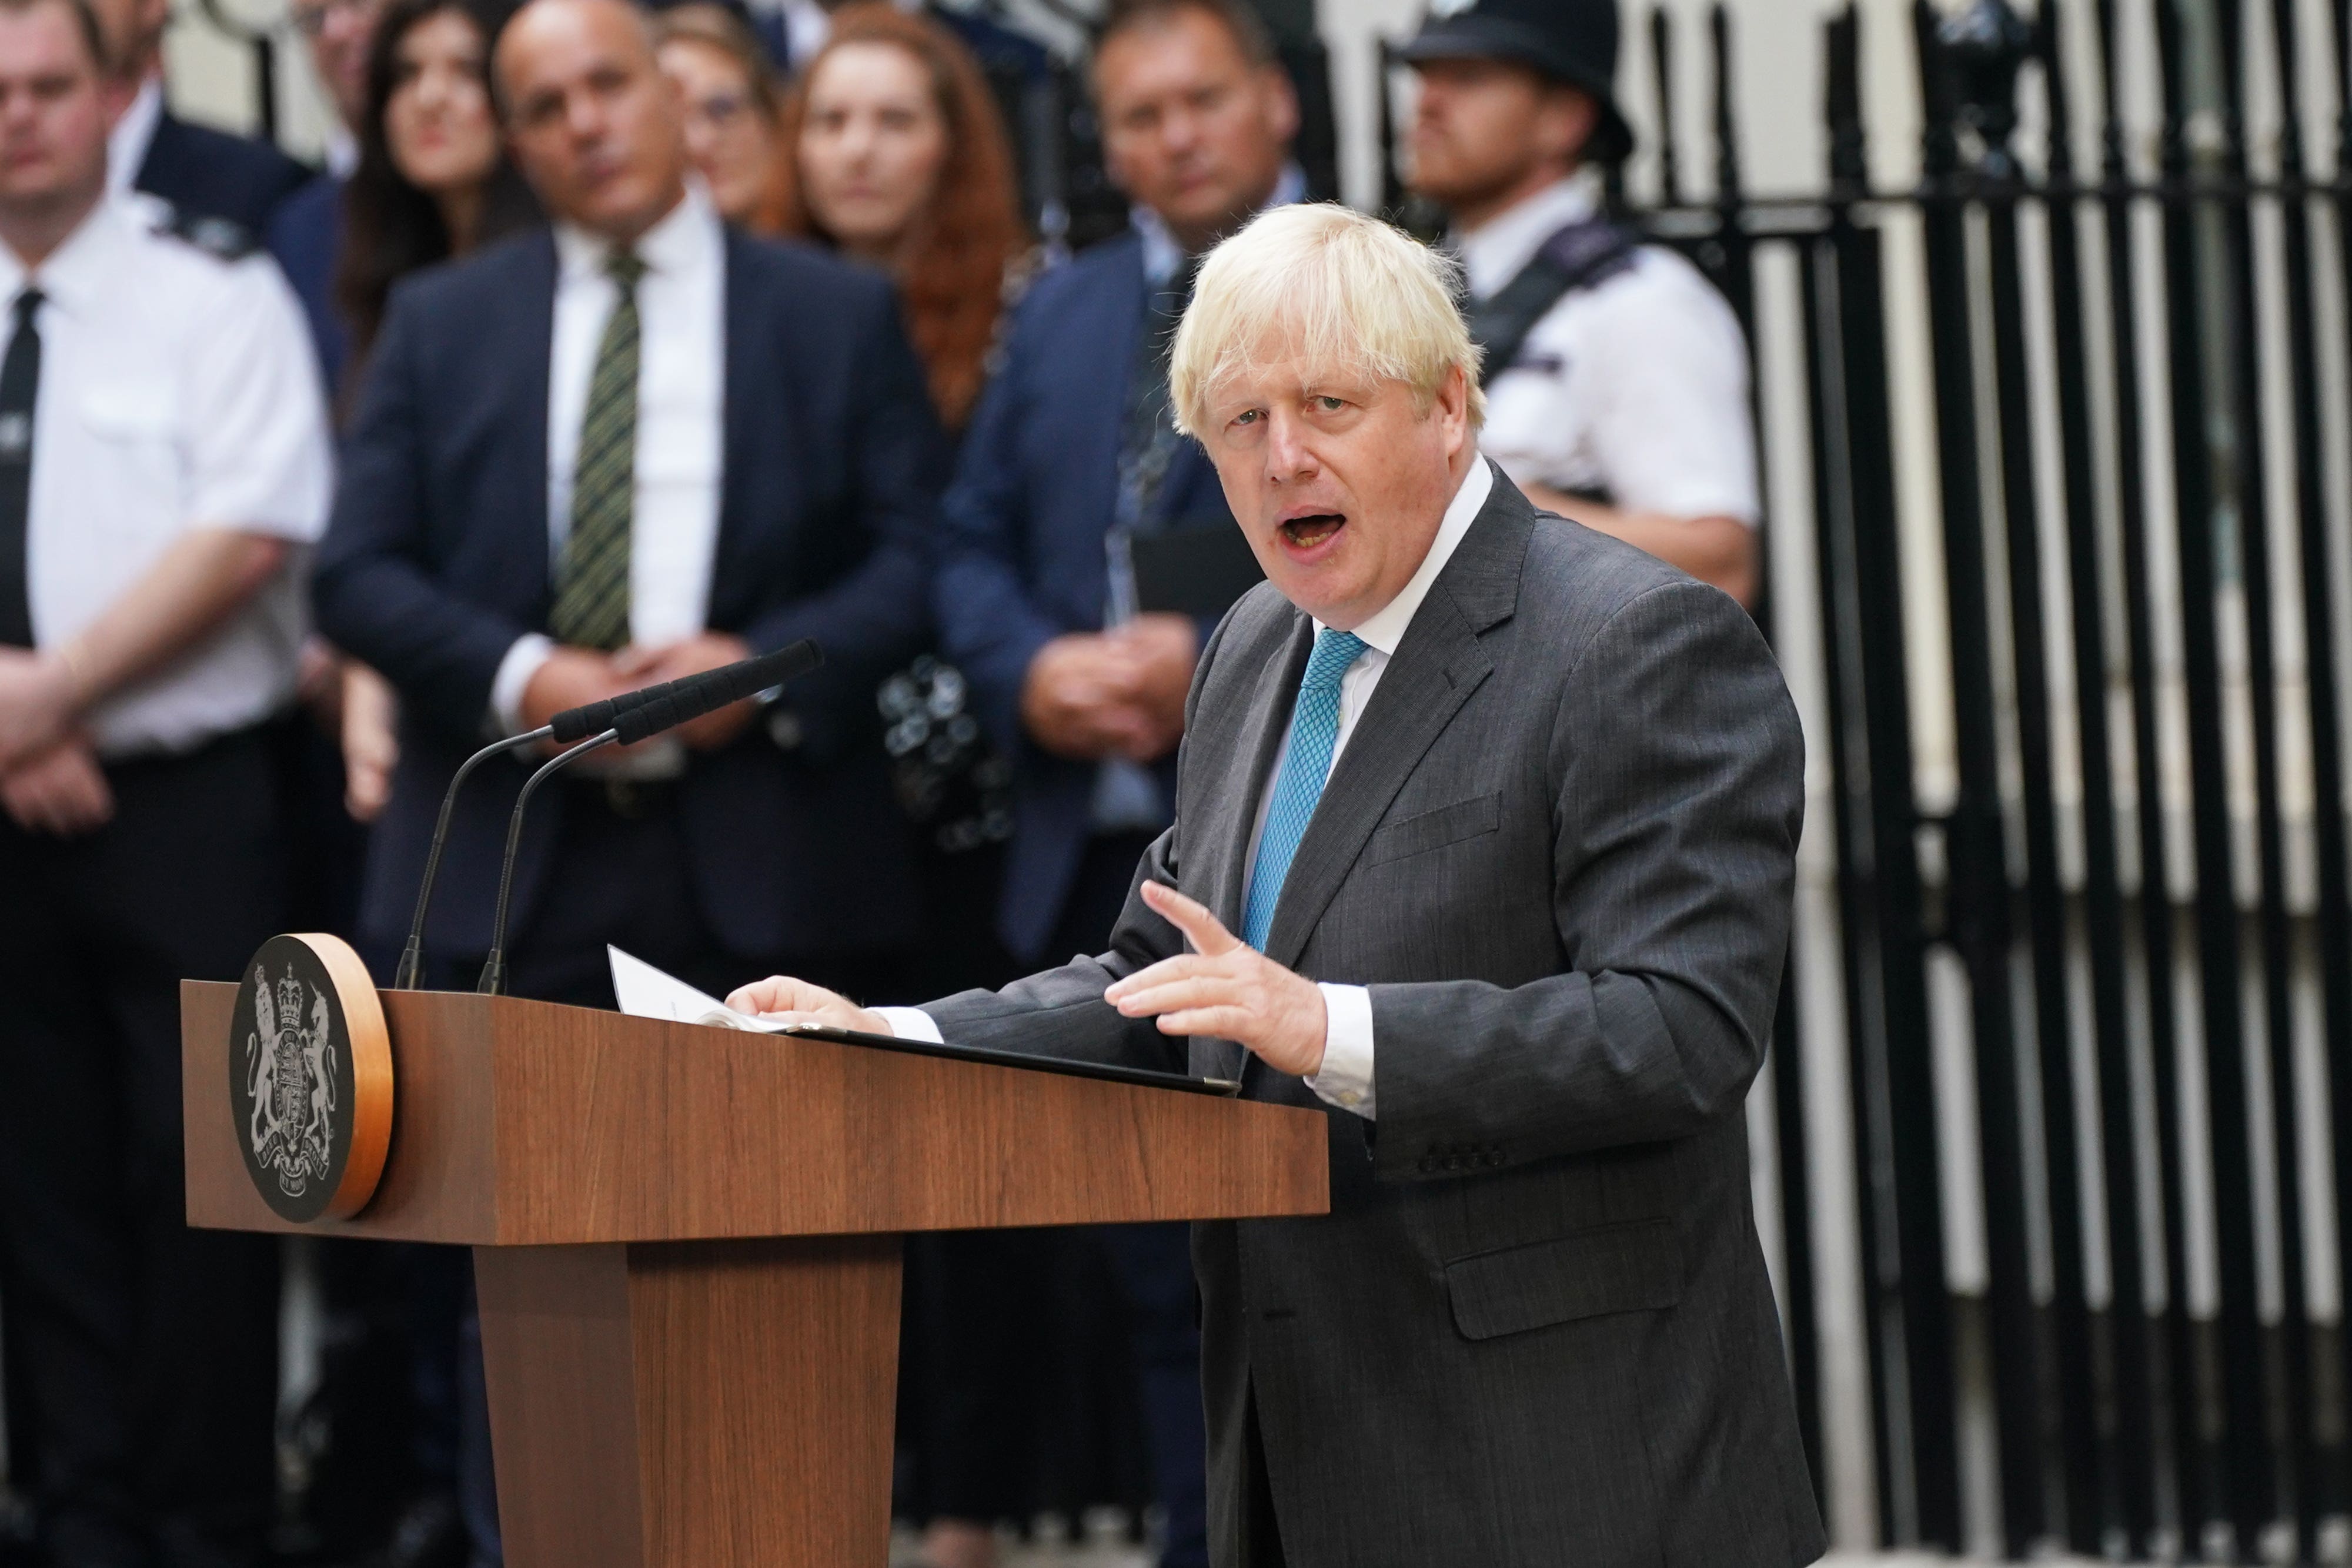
(164, 459)
(1616, 376)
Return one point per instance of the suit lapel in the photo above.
(535, 265)
(1435, 668)
(741, 406)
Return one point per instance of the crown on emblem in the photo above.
(289, 999)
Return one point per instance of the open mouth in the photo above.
(1312, 531)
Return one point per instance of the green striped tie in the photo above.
(591, 598)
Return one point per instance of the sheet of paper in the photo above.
(646, 992)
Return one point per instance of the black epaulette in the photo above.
(223, 239)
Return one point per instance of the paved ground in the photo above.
(1112, 1555)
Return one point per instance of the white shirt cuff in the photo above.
(1346, 1080)
(530, 650)
(911, 1023)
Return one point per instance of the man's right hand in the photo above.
(1078, 699)
(785, 999)
(61, 791)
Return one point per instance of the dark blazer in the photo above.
(1022, 533)
(305, 235)
(1534, 1328)
(436, 561)
(209, 173)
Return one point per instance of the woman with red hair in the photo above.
(893, 152)
(897, 156)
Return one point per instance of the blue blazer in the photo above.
(210, 173)
(436, 561)
(305, 235)
(1023, 543)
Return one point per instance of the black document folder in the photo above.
(1196, 568)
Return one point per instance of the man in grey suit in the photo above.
(1504, 812)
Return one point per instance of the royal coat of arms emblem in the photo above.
(308, 1048)
(290, 1072)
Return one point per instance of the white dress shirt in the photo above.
(1636, 387)
(127, 143)
(1345, 1078)
(178, 392)
(681, 434)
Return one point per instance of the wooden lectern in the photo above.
(686, 1242)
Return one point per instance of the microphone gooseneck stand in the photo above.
(494, 967)
(412, 956)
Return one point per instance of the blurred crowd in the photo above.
(611, 345)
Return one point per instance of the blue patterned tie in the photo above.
(1314, 732)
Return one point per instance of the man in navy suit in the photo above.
(583, 461)
(1071, 460)
(203, 172)
(736, 431)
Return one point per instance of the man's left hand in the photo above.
(647, 666)
(1227, 990)
(37, 703)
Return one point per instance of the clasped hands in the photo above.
(1225, 988)
(50, 780)
(1093, 696)
(573, 676)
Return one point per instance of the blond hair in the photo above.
(1349, 295)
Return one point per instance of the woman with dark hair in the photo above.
(433, 179)
(897, 157)
(734, 110)
(433, 182)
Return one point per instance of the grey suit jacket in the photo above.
(1534, 1328)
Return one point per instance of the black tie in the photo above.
(20, 378)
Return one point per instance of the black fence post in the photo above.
(2244, 1449)
(2130, 1409)
(2156, 925)
(2334, 913)
(1907, 1310)
(1977, 855)
(2123, 1432)
(2250, 489)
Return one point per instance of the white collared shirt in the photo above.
(127, 143)
(1636, 387)
(1346, 1077)
(681, 435)
(178, 392)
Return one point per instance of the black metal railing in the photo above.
(2107, 567)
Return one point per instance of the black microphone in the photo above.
(658, 709)
(749, 677)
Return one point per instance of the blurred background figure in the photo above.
(637, 447)
(201, 171)
(1616, 375)
(433, 181)
(305, 233)
(163, 463)
(897, 157)
(430, 182)
(734, 110)
(1070, 464)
